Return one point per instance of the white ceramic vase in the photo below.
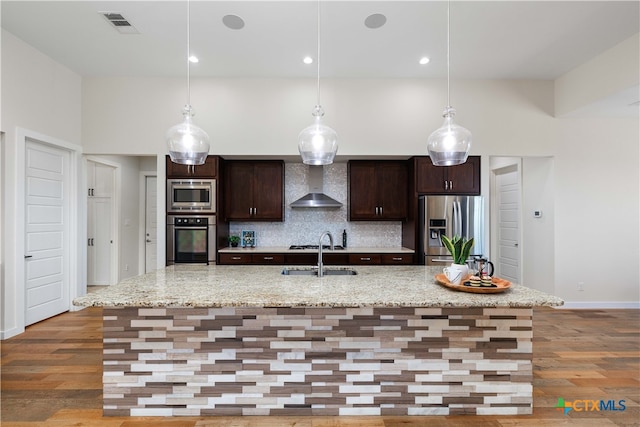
(462, 267)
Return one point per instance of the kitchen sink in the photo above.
(310, 271)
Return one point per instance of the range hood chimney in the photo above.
(316, 198)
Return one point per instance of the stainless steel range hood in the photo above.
(316, 198)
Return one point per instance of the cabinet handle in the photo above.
(255, 211)
(365, 259)
(89, 192)
(380, 210)
(397, 258)
(446, 185)
(268, 258)
(236, 258)
(450, 185)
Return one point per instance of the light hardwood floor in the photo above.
(52, 376)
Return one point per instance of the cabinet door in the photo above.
(363, 197)
(465, 178)
(268, 191)
(392, 190)
(208, 170)
(459, 179)
(238, 191)
(430, 179)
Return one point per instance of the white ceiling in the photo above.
(489, 39)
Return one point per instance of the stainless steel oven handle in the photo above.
(177, 227)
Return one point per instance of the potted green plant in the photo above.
(234, 240)
(459, 248)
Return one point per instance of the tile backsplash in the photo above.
(304, 226)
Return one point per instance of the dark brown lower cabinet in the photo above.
(262, 258)
(329, 258)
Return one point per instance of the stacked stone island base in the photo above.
(317, 361)
(199, 340)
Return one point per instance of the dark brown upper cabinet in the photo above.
(378, 190)
(461, 179)
(208, 170)
(254, 190)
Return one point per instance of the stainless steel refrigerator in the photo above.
(451, 216)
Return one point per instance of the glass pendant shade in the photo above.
(449, 144)
(188, 143)
(318, 143)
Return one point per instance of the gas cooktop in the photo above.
(314, 247)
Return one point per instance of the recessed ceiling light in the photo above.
(308, 60)
(233, 22)
(424, 60)
(374, 21)
(194, 59)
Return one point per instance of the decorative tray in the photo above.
(499, 285)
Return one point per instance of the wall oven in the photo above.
(191, 195)
(191, 239)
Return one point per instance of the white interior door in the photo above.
(151, 223)
(100, 224)
(100, 240)
(508, 206)
(47, 231)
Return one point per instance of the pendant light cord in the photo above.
(188, 52)
(318, 48)
(448, 52)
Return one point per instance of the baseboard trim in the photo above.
(595, 305)
(10, 333)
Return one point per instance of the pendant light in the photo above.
(318, 143)
(449, 145)
(188, 143)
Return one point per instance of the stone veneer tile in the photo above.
(317, 361)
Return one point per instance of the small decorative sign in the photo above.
(248, 238)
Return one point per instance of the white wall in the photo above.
(264, 116)
(40, 95)
(538, 233)
(597, 210)
(611, 73)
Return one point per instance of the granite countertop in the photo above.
(285, 249)
(200, 285)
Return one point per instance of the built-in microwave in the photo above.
(191, 195)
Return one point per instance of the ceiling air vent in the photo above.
(119, 22)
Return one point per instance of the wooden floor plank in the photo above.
(52, 376)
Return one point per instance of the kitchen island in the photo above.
(199, 340)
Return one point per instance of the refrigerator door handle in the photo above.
(460, 229)
(455, 219)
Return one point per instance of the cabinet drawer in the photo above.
(362, 259)
(235, 258)
(388, 259)
(267, 258)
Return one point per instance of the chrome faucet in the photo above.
(320, 268)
